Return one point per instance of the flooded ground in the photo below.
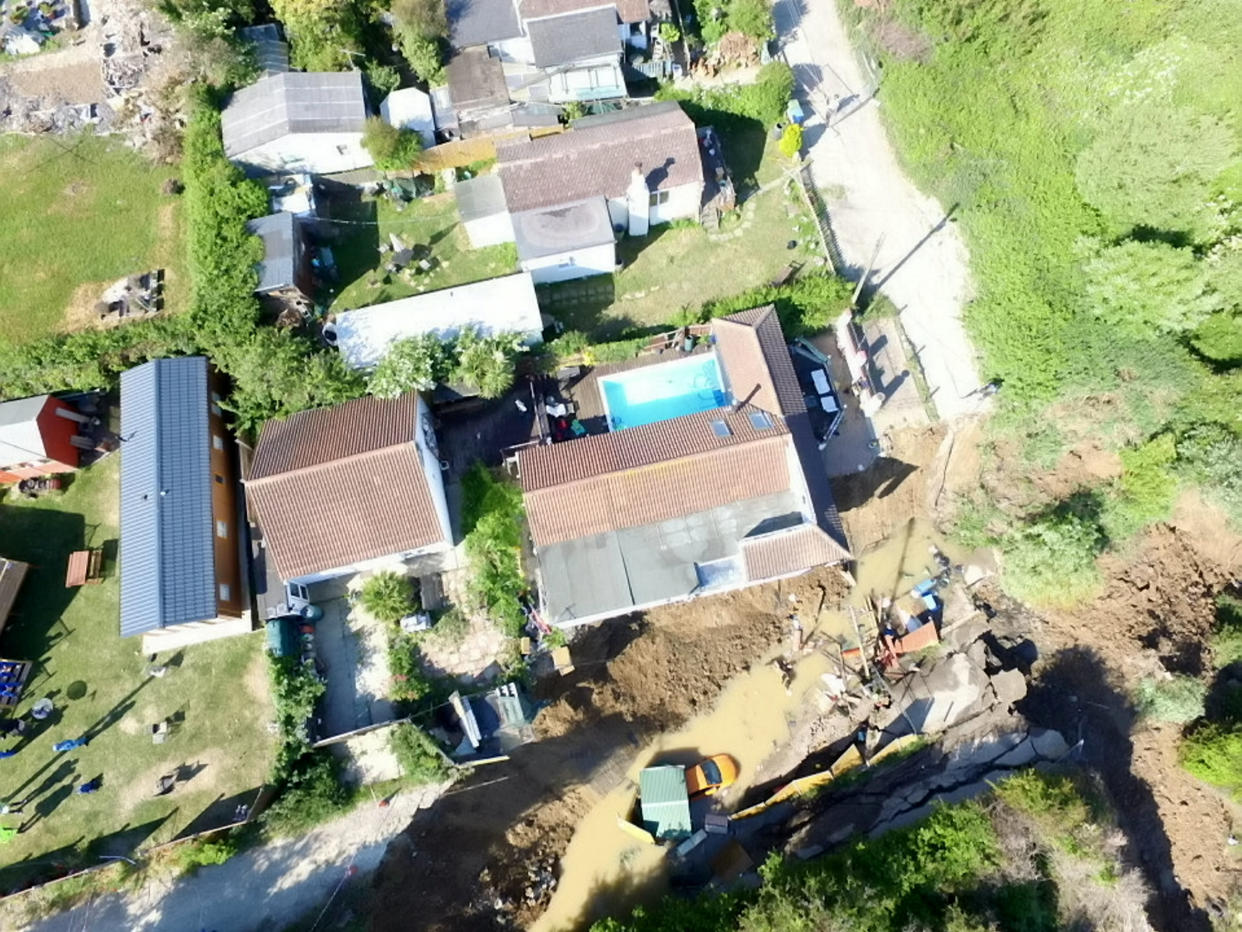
(606, 871)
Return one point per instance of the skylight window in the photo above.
(760, 420)
(721, 429)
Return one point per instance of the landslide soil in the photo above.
(472, 861)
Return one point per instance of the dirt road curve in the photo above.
(922, 263)
(263, 888)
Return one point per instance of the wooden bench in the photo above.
(13, 674)
(85, 566)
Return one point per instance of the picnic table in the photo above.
(85, 566)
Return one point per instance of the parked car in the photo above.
(708, 776)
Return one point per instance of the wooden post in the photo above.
(866, 272)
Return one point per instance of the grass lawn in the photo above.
(97, 680)
(429, 222)
(80, 213)
(680, 266)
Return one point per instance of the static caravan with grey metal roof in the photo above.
(181, 535)
(297, 122)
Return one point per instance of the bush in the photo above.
(409, 682)
(313, 793)
(1178, 700)
(389, 596)
(1227, 639)
(392, 149)
(1213, 753)
(416, 752)
(295, 691)
(203, 853)
(1219, 338)
(492, 522)
(1210, 454)
(451, 627)
(791, 141)
(668, 33)
(415, 364)
(1051, 559)
(487, 362)
(1146, 489)
(764, 101)
(382, 80)
(425, 55)
(805, 306)
(1143, 286)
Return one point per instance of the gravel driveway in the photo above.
(922, 263)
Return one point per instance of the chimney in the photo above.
(638, 202)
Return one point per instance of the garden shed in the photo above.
(665, 802)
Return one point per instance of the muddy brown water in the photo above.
(605, 870)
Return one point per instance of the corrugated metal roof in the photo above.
(337, 486)
(20, 439)
(566, 227)
(665, 801)
(279, 233)
(570, 37)
(167, 530)
(271, 52)
(284, 104)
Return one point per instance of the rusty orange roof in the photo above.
(752, 352)
(788, 551)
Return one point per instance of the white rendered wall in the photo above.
(317, 153)
(490, 231)
(683, 201)
(578, 263)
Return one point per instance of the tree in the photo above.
(791, 141)
(415, 364)
(1154, 165)
(425, 55)
(391, 149)
(423, 18)
(1219, 338)
(487, 363)
(752, 17)
(1149, 287)
(322, 33)
(416, 752)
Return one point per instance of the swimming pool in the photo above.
(657, 393)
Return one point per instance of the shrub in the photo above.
(389, 596)
(313, 793)
(409, 682)
(1146, 489)
(806, 305)
(764, 101)
(1210, 454)
(1178, 700)
(1227, 639)
(416, 752)
(791, 141)
(203, 853)
(1219, 338)
(1051, 559)
(295, 691)
(492, 522)
(668, 33)
(451, 627)
(382, 80)
(1213, 753)
(415, 364)
(1143, 286)
(752, 17)
(487, 362)
(391, 148)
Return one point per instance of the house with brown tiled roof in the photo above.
(561, 197)
(344, 489)
(707, 477)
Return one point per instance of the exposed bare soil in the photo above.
(484, 856)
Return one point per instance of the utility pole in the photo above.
(867, 272)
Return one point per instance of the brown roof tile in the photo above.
(598, 158)
(792, 550)
(657, 491)
(755, 359)
(324, 435)
(340, 485)
(629, 11)
(556, 464)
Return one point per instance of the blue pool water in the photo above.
(657, 393)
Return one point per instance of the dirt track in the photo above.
(469, 862)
